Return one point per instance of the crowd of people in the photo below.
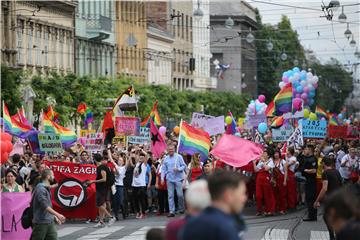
(130, 182)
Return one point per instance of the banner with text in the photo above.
(199, 120)
(73, 197)
(281, 134)
(127, 126)
(215, 126)
(143, 138)
(12, 207)
(50, 142)
(255, 120)
(314, 128)
(353, 132)
(337, 131)
(83, 132)
(94, 142)
(296, 140)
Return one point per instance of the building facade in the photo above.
(38, 36)
(95, 38)
(131, 39)
(229, 45)
(201, 47)
(158, 54)
(181, 16)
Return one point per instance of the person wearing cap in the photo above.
(348, 163)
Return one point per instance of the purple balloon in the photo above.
(297, 103)
(285, 79)
(298, 95)
(261, 98)
(304, 96)
(306, 90)
(315, 85)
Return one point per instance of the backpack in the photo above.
(27, 217)
(110, 177)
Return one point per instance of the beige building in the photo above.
(38, 35)
(181, 13)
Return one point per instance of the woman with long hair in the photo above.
(291, 165)
(280, 183)
(11, 185)
(195, 169)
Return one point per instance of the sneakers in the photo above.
(111, 221)
(99, 225)
(170, 215)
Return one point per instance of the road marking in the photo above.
(319, 235)
(278, 234)
(139, 234)
(68, 230)
(101, 233)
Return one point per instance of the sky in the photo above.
(324, 37)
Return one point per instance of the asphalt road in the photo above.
(286, 227)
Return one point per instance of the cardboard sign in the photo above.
(215, 126)
(12, 207)
(143, 139)
(296, 140)
(50, 142)
(282, 134)
(84, 132)
(314, 128)
(353, 132)
(94, 142)
(199, 120)
(127, 126)
(120, 141)
(337, 131)
(255, 120)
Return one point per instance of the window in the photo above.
(187, 28)
(30, 44)
(38, 45)
(69, 51)
(191, 30)
(178, 24)
(46, 46)
(61, 53)
(19, 45)
(173, 23)
(174, 83)
(182, 26)
(55, 53)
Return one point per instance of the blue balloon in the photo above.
(258, 108)
(303, 76)
(262, 128)
(252, 101)
(299, 89)
(340, 116)
(295, 84)
(311, 102)
(284, 74)
(311, 94)
(296, 69)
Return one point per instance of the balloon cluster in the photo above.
(310, 115)
(162, 131)
(256, 107)
(6, 146)
(304, 85)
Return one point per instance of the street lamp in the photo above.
(229, 23)
(342, 16)
(283, 56)
(269, 45)
(352, 42)
(250, 37)
(198, 13)
(347, 32)
(334, 5)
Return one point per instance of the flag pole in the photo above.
(3, 110)
(178, 145)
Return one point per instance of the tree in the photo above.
(10, 88)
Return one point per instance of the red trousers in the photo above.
(280, 194)
(264, 193)
(318, 186)
(291, 190)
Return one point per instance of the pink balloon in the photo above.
(285, 79)
(261, 98)
(297, 103)
(298, 95)
(306, 90)
(315, 85)
(162, 130)
(304, 96)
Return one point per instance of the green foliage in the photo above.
(10, 90)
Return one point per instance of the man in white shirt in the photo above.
(348, 163)
(339, 156)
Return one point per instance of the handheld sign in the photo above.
(50, 142)
(282, 134)
(143, 139)
(94, 142)
(127, 126)
(314, 128)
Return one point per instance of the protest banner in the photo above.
(215, 125)
(50, 142)
(127, 126)
(296, 140)
(314, 128)
(73, 197)
(83, 132)
(143, 138)
(94, 142)
(199, 120)
(282, 134)
(353, 132)
(120, 141)
(337, 131)
(12, 207)
(255, 120)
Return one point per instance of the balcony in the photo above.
(100, 27)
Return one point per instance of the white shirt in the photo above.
(339, 156)
(139, 180)
(120, 174)
(281, 166)
(261, 164)
(345, 171)
(292, 160)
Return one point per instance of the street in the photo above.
(287, 227)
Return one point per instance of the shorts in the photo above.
(102, 197)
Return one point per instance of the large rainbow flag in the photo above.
(193, 140)
(51, 114)
(320, 112)
(14, 127)
(67, 136)
(270, 110)
(154, 115)
(283, 100)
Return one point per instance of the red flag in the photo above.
(235, 151)
(108, 122)
(72, 197)
(158, 145)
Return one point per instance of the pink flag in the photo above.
(235, 151)
(158, 145)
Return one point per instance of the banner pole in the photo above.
(177, 149)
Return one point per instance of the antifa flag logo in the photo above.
(71, 193)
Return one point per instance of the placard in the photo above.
(255, 120)
(94, 142)
(199, 120)
(337, 131)
(143, 138)
(120, 141)
(353, 132)
(314, 128)
(127, 126)
(83, 132)
(50, 142)
(282, 134)
(296, 139)
(215, 125)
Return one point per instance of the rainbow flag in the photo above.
(333, 120)
(277, 122)
(231, 128)
(85, 113)
(20, 117)
(154, 115)
(14, 127)
(67, 136)
(321, 113)
(270, 110)
(193, 140)
(283, 100)
(51, 114)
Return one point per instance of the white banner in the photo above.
(215, 126)
(282, 134)
(296, 140)
(199, 120)
(143, 139)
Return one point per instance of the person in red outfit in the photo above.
(291, 165)
(162, 191)
(280, 173)
(264, 189)
(195, 169)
